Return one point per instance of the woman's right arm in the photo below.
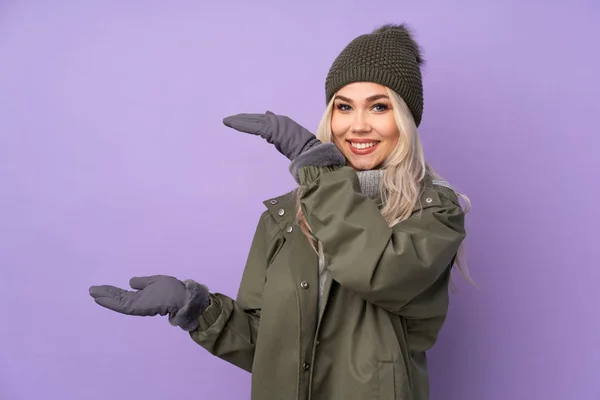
(228, 328)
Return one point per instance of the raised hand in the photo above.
(289, 138)
(154, 295)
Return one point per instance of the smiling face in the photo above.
(363, 125)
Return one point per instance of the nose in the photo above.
(360, 124)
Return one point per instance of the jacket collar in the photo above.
(283, 209)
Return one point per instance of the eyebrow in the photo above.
(368, 99)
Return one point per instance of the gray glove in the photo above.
(323, 155)
(157, 295)
(288, 137)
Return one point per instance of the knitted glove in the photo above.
(288, 137)
(157, 295)
(322, 155)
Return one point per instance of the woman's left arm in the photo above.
(388, 267)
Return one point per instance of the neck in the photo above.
(370, 183)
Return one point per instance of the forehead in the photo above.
(361, 90)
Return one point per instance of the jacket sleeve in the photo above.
(228, 328)
(388, 267)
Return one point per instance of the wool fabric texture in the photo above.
(388, 56)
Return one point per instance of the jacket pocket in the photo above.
(386, 381)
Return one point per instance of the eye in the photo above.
(343, 107)
(380, 107)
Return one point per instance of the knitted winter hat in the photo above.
(388, 56)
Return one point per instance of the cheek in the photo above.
(389, 132)
(338, 128)
(335, 127)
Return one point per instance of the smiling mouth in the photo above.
(362, 147)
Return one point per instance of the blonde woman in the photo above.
(346, 284)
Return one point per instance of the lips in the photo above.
(362, 146)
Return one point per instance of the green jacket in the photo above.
(385, 300)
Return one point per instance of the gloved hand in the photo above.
(157, 295)
(288, 137)
(322, 155)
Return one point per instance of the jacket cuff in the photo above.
(210, 315)
(325, 155)
(197, 299)
(312, 176)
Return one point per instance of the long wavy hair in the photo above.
(405, 174)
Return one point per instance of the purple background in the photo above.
(115, 163)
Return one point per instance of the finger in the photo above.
(245, 117)
(242, 122)
(141, 282)
(111, 303)
(106, 291)
(248, 123)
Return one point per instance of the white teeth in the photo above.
(362, 145)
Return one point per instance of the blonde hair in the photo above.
(405, 171)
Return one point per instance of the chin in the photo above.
(363, 162)
(363, 166)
